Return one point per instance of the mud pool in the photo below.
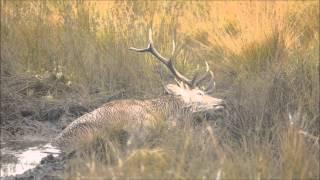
(18, 157)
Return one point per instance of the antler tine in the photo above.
(209, 73)
(165, 61)
(200, 79)
(212, 84)
(196, 80)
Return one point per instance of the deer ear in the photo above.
(173, 89)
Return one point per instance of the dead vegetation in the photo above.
(265, 56)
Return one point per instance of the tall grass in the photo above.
(265, 56)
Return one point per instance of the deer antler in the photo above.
(168, 62)
(165, 61)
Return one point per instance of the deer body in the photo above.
(132, 116)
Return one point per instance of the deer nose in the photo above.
(220, 105)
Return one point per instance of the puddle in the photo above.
(20, 156)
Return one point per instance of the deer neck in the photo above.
(168, 104)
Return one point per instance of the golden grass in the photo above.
(265, 56)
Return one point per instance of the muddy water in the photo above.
(20, 156)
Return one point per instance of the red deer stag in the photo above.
(134, 116)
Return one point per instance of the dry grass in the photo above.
(265, 56)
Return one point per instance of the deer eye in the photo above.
(200, 93)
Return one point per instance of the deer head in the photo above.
(187, 89)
